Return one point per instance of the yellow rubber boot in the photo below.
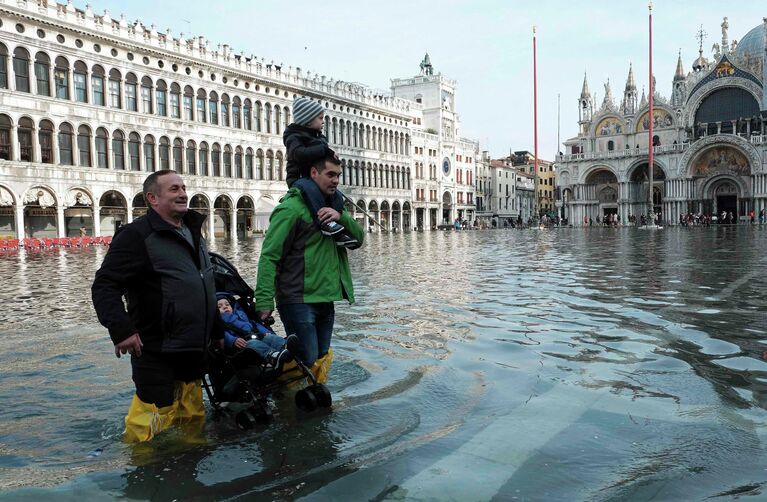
(145, 420)
(189, 398)
(321, 367)
(191, 411)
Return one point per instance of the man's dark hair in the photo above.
(150, 183)
(320, 164)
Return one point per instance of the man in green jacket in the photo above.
(304, 270)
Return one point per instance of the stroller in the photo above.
(244, 377)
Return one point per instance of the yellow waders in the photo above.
(144, 420)
(319, 369)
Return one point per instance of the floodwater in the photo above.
(569, 364)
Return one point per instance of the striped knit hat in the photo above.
(305, 110)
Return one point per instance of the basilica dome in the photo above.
(751, 46)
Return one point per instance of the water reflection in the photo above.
(553, 362)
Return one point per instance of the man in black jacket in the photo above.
(160, 264)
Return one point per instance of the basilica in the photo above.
(709, 142)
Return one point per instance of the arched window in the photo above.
(146, 95)
(225, 110)
(164, 153)
(238, 162)
(202, 97)
(236, 107)
(326, 130)
(191, 157)
(161, 95)
(334, 132)
(341, 130)
(45, 137)
(97, 85)
(61, 77)
(118, 150)
(269, 165)
(131, 84)
(84, 145)
(203, 159)
(42, 73)
(213, 108)
(102, 140)
(215, 159)
(178, 146)
(610, 146)
(277, 120)
(149, 164)
(227, 161)
(25, 133)
(81, 82)
(3, 67)
(287, 116)
(134, 151)
(278, 165)
(268, 117)
(247, 121)
(258, 117)
(249, 163)
(259, 164)
(65, 145)
(175, 101)
(115, 94)
(21, 69)
(188, 103)
(5, 137)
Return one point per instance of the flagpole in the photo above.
(650, 166)
(535, 129)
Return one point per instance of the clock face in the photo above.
(446, 166)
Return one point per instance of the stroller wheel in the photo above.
(245, 420)
(306, 400)
(261, 413)
(322, 394)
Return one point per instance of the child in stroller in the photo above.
(241, 333)
(246, 378)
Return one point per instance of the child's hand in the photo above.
(240, 343)
(328, 214)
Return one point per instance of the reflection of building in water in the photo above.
(710, 141)
(89, 105)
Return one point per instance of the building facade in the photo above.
(709, 142)
(89, 105)
(444, 163)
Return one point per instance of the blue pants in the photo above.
(312, 323)
(266, 345)
(314, 198)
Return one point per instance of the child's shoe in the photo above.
(331, 228)
(345, 240)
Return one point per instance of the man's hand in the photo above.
(263, 314)
(328, 214)
(240, 343)
(131, 345)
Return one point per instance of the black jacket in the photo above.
(168, 284)
(304, 147)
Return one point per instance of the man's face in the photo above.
(328, 179)
(170, 201)
(224, 307)
(317, 122)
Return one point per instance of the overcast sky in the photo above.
(485, 45)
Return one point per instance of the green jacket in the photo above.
(298, 264)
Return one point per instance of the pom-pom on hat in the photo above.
(305, 110)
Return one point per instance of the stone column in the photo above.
(19, 214)
(233, 224)
(211, 224)
(15, 142)
(96, 218)
(129, 215)
(60, 221)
